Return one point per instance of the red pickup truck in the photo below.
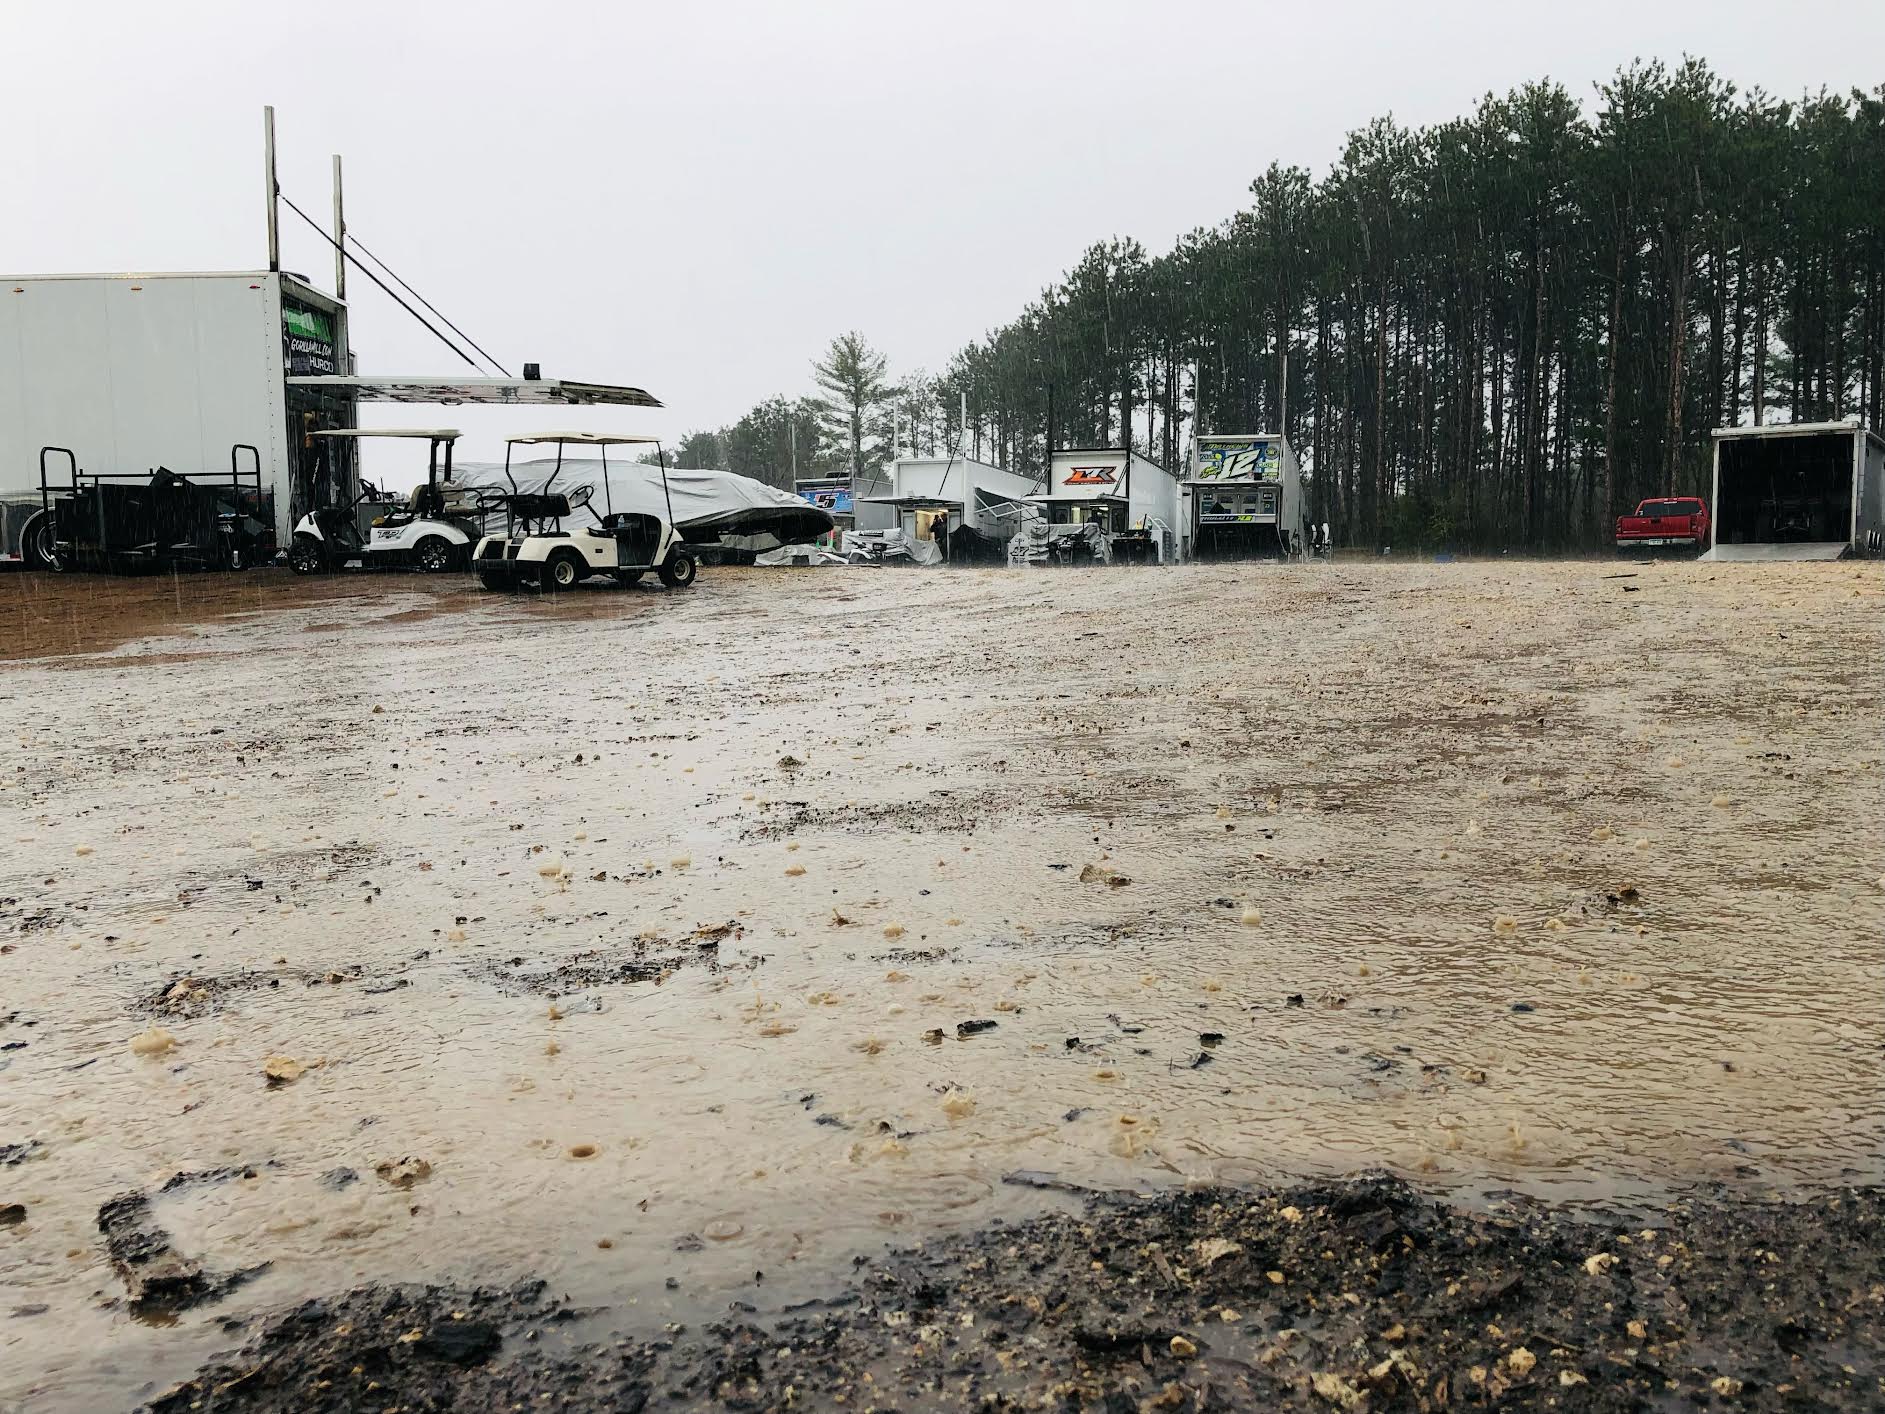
(1673, 523)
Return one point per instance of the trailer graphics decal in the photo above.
(1240, 461)
(307, 337)
(1092, 476)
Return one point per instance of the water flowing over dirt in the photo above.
(677, 949)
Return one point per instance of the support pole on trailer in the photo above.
(274, 188)
(340, 238)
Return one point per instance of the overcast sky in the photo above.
(694, 197)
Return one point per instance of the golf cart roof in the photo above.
(587, 439)
(399, 388)
(434, 434)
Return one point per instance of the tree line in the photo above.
(1499, 331)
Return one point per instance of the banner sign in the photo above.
(1239, 459)
(307, 337)
(1089, 474)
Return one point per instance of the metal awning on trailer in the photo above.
(916, 503)
(531, 392)
(432, 434)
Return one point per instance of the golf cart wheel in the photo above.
(305, 557)
(37, 546)
(435, 554)
(679, 570)
(497, 581)
(562, 571)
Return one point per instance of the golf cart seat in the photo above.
(531, 505)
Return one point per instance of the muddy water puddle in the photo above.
(631, 938)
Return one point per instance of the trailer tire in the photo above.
(435, 554)
(678, 571)
(36, 543)
(563, 570)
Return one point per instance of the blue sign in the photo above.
(836, 499)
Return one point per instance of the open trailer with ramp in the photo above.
(1813, 490)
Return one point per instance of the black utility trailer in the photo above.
(143, 523)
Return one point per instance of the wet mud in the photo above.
(639, 944)
(1353, 1296)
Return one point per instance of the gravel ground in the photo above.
(1350, 1296)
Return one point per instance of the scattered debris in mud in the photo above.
(941, 812)
(189, 995)
(1351, 1296)
(645, 958)
(159, 1279)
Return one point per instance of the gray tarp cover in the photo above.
(741, 511)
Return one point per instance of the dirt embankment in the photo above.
(1356, 1296)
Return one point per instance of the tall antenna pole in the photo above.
(340, 238)
(274, 189)
(1282, 354)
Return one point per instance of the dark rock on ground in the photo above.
(157, 1277)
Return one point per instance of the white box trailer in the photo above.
(970, 508)
(133, 372)
(1132, 500)
(1243, 499)
(1811, 490)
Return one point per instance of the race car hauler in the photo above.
(134, 372)
(1243, 499)
(1114, 504)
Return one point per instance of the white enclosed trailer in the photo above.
(1811, 490)
(1243, 498)
(937, 499)
(1130, 500)
(133, 372)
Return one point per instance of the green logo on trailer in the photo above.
(307, 323)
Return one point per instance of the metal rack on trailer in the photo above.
(121, 522)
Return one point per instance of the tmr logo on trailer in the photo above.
(1092, 476)
(1250, 461)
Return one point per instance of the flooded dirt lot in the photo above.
(675, 950)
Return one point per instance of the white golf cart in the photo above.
(433, 530)
(536, 549)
